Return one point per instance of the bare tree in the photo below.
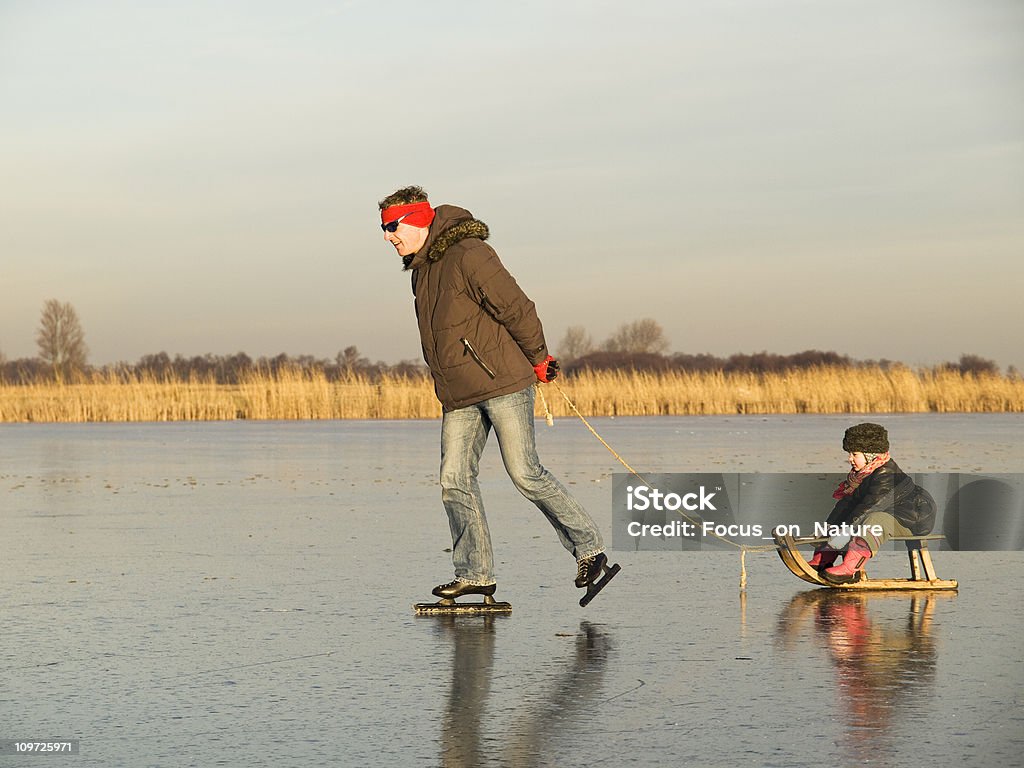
(575, 344)
(639, 336)
(978, 365)
(349, 360)
(61, 340)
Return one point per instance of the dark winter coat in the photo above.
(480, 333)
(888, 489)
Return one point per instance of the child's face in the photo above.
(857, 460)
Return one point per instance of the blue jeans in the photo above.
(464, 433)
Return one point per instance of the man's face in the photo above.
(407, 239)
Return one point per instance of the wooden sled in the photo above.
(922, 571)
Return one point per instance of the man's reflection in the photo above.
(882, 668)
(555, 707)
(547, 707)
(471, 662)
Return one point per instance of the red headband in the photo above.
(415, 214)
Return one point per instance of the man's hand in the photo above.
(547, 369)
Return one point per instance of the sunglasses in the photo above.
(392, 226)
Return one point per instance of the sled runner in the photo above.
(448, 606)
(922, 571)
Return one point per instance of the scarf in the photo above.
(858, 476)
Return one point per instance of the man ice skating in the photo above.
(485, 347)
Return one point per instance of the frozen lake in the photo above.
(240, 594)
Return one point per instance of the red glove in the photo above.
(547, 369)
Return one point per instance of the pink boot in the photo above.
(823, 558)
(851, 569)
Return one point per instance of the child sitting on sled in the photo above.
(877, 498)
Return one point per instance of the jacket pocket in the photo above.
(472, 352)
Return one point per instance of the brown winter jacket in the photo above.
(480, 333)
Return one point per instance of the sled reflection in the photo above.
(883, 655)
(526, 735)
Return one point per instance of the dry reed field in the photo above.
(310, 395)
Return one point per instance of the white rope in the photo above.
(743, 548)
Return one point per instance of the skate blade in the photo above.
(597, 586)
(442, 608)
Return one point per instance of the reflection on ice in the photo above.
(883, 661)
(549, 710)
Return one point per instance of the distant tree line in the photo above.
(642, 346)
(231, 369)
(222, 369)
(63, 357)
(637, 346)
(758, 362)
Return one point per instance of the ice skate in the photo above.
(594, 573)
(447, 605)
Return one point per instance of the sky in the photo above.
(779, 175)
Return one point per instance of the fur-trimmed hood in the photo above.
(451, 224)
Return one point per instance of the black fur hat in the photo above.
(866, 438)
